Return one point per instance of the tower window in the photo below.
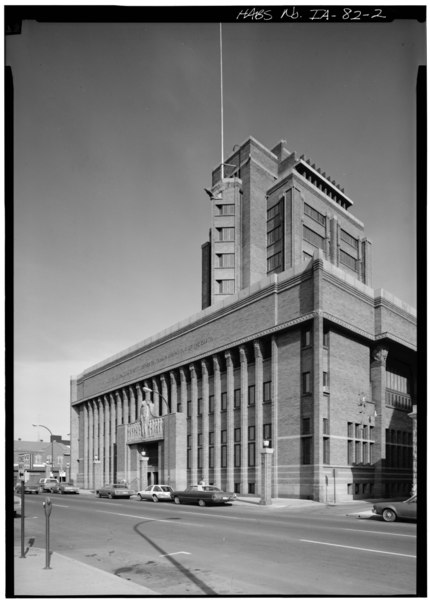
(275, 262)
(346, 237)
(224, 261)
(314, 214)
(312, 237)
(225, 209)
(225, 234)
(225, 286)
(348, 260)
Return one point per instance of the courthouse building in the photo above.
(293, 347)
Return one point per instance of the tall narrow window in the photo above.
(237, 398)
(224, 401)
(326, 451)
(251, 454)
(306, 383)
(275, 238)
(251, 395)
(267, 391)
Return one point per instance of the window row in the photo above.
(237, 453)
(364, 487)
(397, 400)
(398, 456)
(348, 260)
(349, 239)
(394, 436)
(250, 399)
(314, 214)
(312, 237)
(397, 382)
(360, 453)
(361, 431)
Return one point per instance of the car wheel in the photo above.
(140, 497)
(154, 498)
(110, 496)
(177, 501)
(389, 515)
(202, 502)
(97, 494)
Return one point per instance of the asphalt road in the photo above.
(238, 549)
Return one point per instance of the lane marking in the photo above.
(173, 553)
(170, 521)
(358, 548)
(381, 532)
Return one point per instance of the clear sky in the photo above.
(117, 130)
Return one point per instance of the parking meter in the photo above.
(47, 505)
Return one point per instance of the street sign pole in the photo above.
(22, 479)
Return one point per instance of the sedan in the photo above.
(65, 487)
(391, 511)
(202, 495)
(29, 488)
(156, 493)
(114, 490)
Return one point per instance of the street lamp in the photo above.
(52, 445)
(147, 389)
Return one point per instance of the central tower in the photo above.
(270, 211)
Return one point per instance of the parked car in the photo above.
(29, 488)
(16, 505)
(65, 487)
(202, 495)
(156, 493)
(114, 490)
(47, 483)
(391, 511)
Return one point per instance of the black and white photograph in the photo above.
(215, 300)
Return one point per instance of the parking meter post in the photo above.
(48, 507)
(22, 519)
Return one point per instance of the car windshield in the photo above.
(211, 488)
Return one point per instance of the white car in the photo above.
(156, 493)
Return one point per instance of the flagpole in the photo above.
(222, 104)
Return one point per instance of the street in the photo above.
(237, 549)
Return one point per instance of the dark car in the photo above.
(65, 487)
(114, 490)
(391, 511)
(29, 488)
(202, 495)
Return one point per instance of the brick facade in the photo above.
(298, 356)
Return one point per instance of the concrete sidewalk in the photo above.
(67, 577)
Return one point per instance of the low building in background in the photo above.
(36, 459)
